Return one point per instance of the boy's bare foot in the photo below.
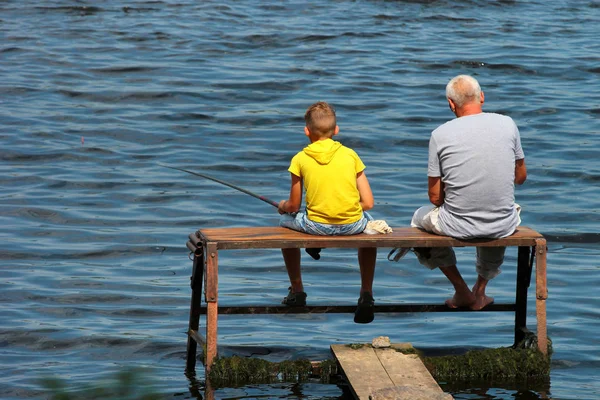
(466, 300)
(481, 302)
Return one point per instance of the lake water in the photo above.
(94, 272)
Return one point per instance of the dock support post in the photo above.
(212, 284)
(541, 293)
(196, 285)
(524, 268)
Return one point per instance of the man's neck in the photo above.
(469, 109)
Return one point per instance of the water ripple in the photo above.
(94, 267)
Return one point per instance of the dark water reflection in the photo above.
(95, 274)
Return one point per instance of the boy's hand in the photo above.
(281, 207)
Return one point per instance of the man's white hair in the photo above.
(463, 89)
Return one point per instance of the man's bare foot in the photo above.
(466, 300)
(481, 302)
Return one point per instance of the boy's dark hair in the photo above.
(320, 119)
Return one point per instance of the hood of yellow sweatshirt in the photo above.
(322, 150)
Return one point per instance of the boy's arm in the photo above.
(364, 190)
(292, 204)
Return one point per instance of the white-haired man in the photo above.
(475, 160)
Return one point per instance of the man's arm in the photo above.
(364, 190)
(520, 171)
(436, 190)
(292, 204)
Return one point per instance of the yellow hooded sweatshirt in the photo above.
(328, 170)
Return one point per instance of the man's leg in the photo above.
(463, 297)
(367, 257)
(443, 257)
(424, 218)
(481, 299)
(489, 260)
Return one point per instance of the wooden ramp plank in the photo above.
(406, 370)
(363, 370)
(386, 374)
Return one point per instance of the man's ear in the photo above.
(336, 131)
(452, 105)
(482, 98)
(306, 131)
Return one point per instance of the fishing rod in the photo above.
(313, 252)
(263, 198)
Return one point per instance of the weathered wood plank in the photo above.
(386, 374)
(363, 370)
(408, 393)
(541, 294)
(278, 237)
(323, 309)
(406, 370)
(212, 312)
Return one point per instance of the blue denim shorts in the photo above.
(300, 222)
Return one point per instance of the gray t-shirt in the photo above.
(475, 157)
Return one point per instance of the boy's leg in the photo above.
(299, 222)
(367, 258)
(291, 257)
(296, 295)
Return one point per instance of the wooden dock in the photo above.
(207, 245)
(385, 373)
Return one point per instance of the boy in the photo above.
(337, 194)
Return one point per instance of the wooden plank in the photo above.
(212, 272)
(195, 304)
(211, 336)
(379, 308)
(386, 374)
(406, 370)
(278, 237)
(362, 368)
(541, 289)
(212, 285)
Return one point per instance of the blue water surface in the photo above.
(95, 95)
